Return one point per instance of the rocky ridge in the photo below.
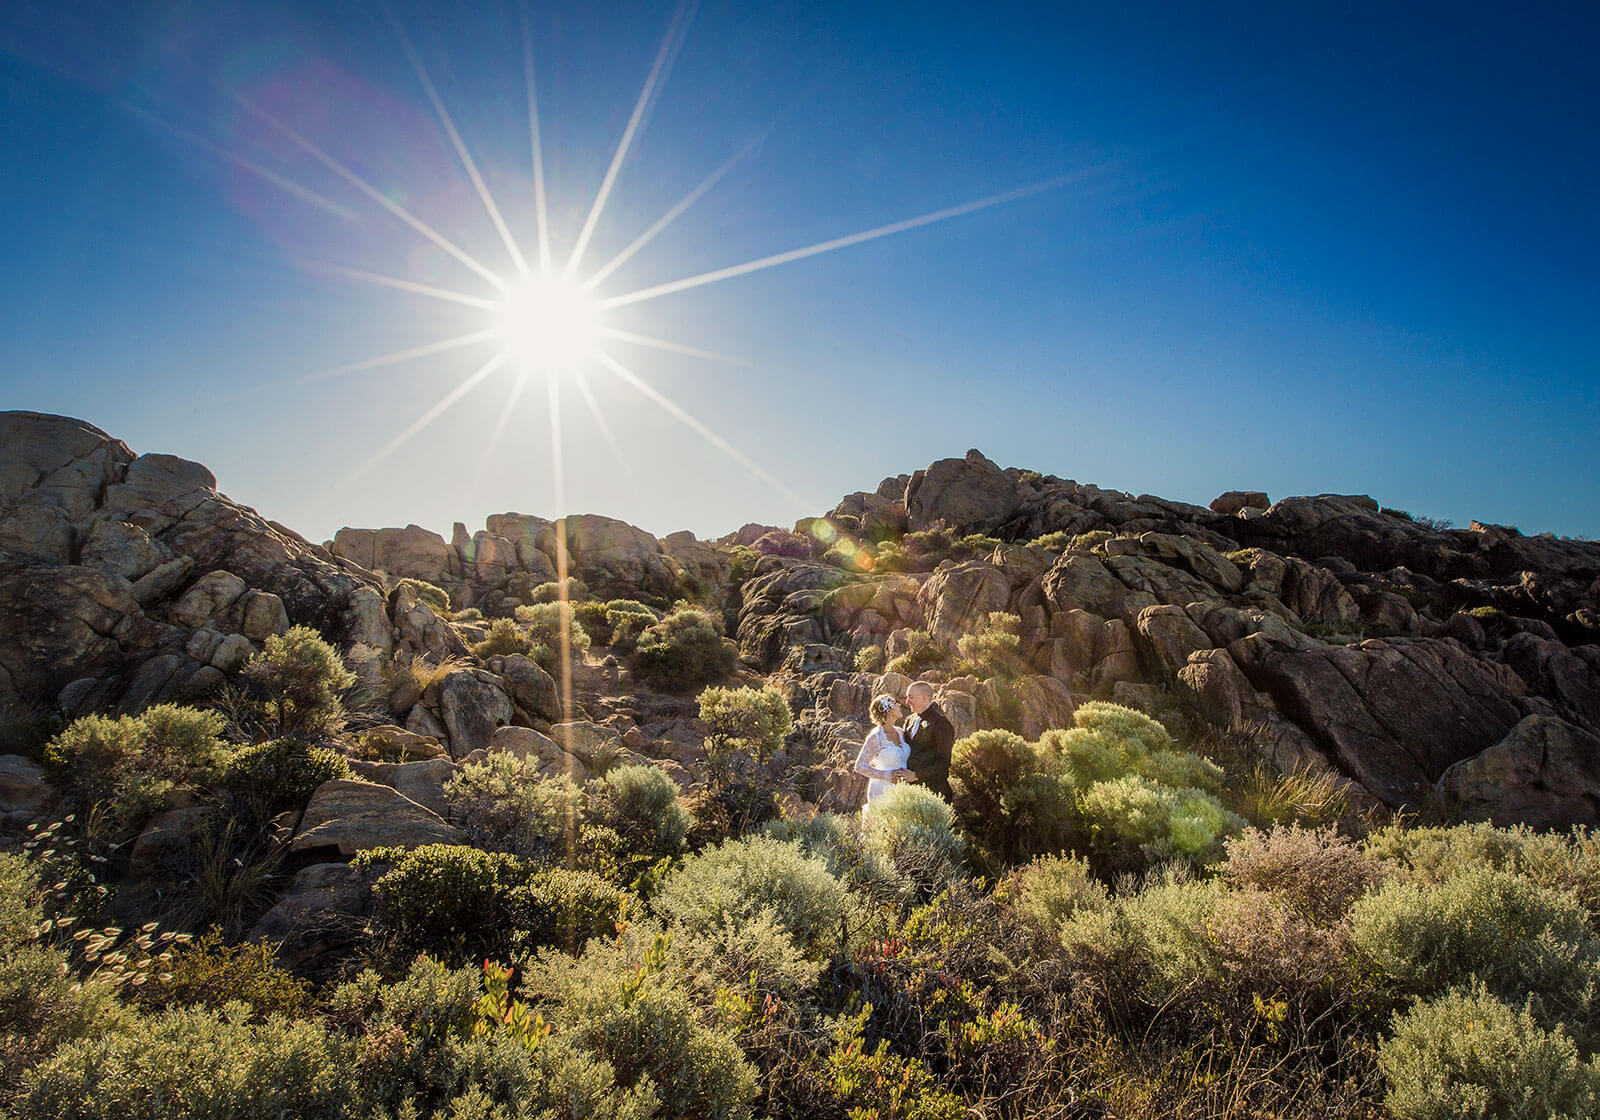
(1418, 663)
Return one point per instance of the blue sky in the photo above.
(1341, 250)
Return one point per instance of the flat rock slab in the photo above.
(352, 816)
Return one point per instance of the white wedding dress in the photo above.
(880, 752)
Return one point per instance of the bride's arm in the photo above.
(869, 750)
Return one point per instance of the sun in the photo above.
(548, 322)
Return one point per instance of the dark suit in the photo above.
(930, 750)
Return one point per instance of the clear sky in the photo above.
(1299, 248)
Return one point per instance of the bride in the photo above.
(884, 751)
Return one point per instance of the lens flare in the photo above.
(548, 322)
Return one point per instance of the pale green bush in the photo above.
(543, 625)
(640, 804)
(191, 1062)
(432, 594)
(1049, 890)
(1469, 1056)
(1495, 927)
(834, 839)
(623, 1002)
(912, 830)
(503, 805)
(504, 636)
(993, 649)
(120, 768)
(744, 878)
(1132, 820)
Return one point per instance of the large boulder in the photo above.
(413, 551)
(319, 917)
(970, 495)
(349, 816)
(1545, 773)
(956, 598)
(1393, 714)
(422, 781)
(471, 704)
(524, 742)
(609, 554)
(1553, 671)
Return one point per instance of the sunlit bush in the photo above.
(300, 680)
(543, 623)
(744, 878)
(1049, 890)
(120, 768)
(754, 721)
(449, 900)
(682, 651)
(281, 774)
(503, 805)
(436, 597)
(640, 804)
(1470, 1056)
(503, 637)
(912, 829)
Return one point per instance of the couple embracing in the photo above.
(915, 750)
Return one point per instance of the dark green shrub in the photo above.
(452, 901)
(193, 1063)
(211, 974)
(544, 628)
(119, 769)
(281, 774)
(640, 805)
(743, 878)
(1468, 1055)
(682, 651)
(983, 767)
(626, 626)
(300, 678)
(435, 596)
(567, 908)
(504, 636)
(594, 618)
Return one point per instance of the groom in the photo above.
(931, 736)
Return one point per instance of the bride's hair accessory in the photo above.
(881, 705)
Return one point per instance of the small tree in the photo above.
(753, 720)
(299, 678)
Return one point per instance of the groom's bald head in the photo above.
(919, 696)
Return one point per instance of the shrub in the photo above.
(1470, 1055)
(869, 659)
(435, 596)
(1014, 806)
(1133, 821)
(544, 628)
(913, 830)
(755, 721)
(192, 1062)
(640, 804)
(782, 542)
(300, 678)
(1569, 862)
(993, 650)
(730, 806)
(281, 774)
(626, 626)
(1318, 872)
(1495, 927)
(567, 908)
(574, 588)
(211, 974)
(983, 766)
(682, 651)
(923, 651)
(503, 636)
(620, 1001)
(743, 878)
(1049, 890)
(755, 955)
(43, 1004)
(450, 900)
(502, 804)
(829, 837)
(122, 767)
(1109, 741)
